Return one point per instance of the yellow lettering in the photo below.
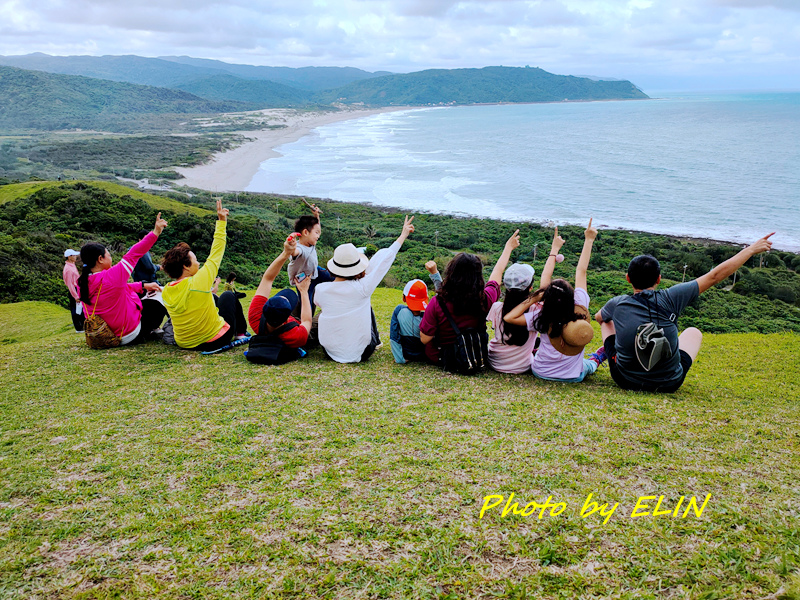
(511, 508)
(677, 508)
(693, 505)
(487, 506)
(639, 504)
(525, 512)
(590, 507)
(658, 513)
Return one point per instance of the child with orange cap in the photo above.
(404, 327)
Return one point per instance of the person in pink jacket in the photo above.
(105, 291)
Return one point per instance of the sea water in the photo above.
(719, 166)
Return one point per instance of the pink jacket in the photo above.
(119, 304)
(71, 275)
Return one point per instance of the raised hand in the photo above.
(290, 245)
(222, 213)
(762, 245)
(408, 228)
(303, 286)
(591, 232)
(558, 241)
(314, 208)
(431, 267)
(513, 241)
(160, 224)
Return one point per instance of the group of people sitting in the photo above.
(543, 331)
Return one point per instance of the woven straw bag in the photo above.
(98, 333)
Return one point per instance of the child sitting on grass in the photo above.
(404, 326)
(561, 316)
(512, 346)
(304, 262)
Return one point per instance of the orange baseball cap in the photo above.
(416, 294)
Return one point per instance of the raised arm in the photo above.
(305, 304)
(550, 263)
(502, 263)
(730, 266)
(204, 278)
(274, 269)
(382, 261)
(119, 273)
(516, 315)
(583, 262)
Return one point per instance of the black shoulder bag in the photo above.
(469, 354)
(269, 349)
(650, 344)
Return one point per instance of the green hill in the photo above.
(151, 472)
(37, 100)
(260, 93)
(487, 85)
(303, 78)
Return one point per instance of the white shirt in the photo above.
(345, 323)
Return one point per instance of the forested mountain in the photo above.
(41, 100)
(487, 85)
(259, 92)
(38, 100)
(178, 71)
(305, 78)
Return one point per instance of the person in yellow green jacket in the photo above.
(200, 321)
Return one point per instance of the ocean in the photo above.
(721, 166)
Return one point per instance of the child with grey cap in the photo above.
(510, 350)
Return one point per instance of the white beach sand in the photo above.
(232, 171)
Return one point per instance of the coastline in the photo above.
(232, 170)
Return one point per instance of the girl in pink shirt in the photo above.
(105, 291)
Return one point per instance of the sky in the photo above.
(659, 45)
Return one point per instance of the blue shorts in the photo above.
(589, 367)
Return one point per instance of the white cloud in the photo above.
(617, 38)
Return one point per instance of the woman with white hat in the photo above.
(561, 316)
(347, 328)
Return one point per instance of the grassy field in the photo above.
(151, 472)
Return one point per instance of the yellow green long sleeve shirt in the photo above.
(190, 303)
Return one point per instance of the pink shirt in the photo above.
(549, 362)
(71, 279)
(118, 302)
(505, 358)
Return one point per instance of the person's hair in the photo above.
(90, 253)
(305, 222)
(354, 277)
(231, 277)
(463, 285)
(517, 334)
(177, 258)
(558, 308)
(143, 232)
(643, 271)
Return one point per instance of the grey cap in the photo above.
(518, 276)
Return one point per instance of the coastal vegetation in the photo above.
(40, 219)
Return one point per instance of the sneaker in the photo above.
(245, 336)
(379, 346)
(598, 356)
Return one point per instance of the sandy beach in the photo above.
(231, 171)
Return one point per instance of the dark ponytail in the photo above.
(558, 308)
(517, 334)
(90, 253)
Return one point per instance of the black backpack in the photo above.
(269, 349)
(469, 354)
(651, 346)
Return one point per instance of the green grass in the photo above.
(151, 472)
(15, 191)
